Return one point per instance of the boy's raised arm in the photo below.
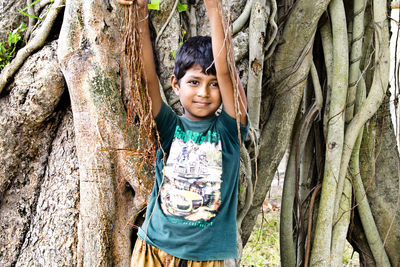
(219, 46)
(147, 54)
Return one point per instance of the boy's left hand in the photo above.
(211, 3)
(141, 3)
(125, 2)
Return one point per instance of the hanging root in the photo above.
(139, 116)
(273, 41)
(309, 227)
(243, 18)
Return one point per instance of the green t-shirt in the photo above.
(192, 209)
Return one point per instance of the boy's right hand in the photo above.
(141, 3)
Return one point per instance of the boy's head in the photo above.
(196, 50)
(195, 80)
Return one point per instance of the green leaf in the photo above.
(13, 39)
(181, 7)
(173, 53)
(154, 4)
(22, 27)
(7, 53)
(2, 48)
(28, 6)
(29, 15)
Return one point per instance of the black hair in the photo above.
(196, 50)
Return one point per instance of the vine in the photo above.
(139, 107)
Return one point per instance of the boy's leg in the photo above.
(142, 256)
(203, 264)
(145, 255)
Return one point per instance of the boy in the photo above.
(191, 215)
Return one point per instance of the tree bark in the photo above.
(90, 65)
(29, 119)
(292, 64)
(383, 190)
(52, 236)
(321, 250)
(258, 21)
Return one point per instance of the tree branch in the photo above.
(319, 101)
(167, 22)
(327, 45)
(272, 42)
(309, 227)
(376, 93)
(321, 251)
(355, 56)
(191, 12)
(36, 43)
(367, 220)
(339, 231)
(256, 60)
(244, 155)
(243, 18)
(276, 134)
(287, 247)
(31, 21)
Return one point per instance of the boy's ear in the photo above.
(175, 84)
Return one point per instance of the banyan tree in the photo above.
(316, 75)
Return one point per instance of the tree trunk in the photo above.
(30, 114)
(383, 192)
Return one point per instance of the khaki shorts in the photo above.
(145, 255)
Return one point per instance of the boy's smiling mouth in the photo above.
(201, 103)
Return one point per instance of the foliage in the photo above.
(174, 51)
(155, 4)
(181, 7)
(350, 257)
(33, 16)
(262, 249)
(22, 11)
(7, 51)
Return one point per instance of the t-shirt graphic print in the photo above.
(191, 192)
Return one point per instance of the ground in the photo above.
(262, 249)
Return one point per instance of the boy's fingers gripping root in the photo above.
(125, 2)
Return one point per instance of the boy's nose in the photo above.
(203, 91)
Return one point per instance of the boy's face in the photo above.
(198, 92)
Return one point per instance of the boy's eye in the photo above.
(194, 82)
(214, 84)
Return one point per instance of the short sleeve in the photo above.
(166, 121)
(228, 124)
